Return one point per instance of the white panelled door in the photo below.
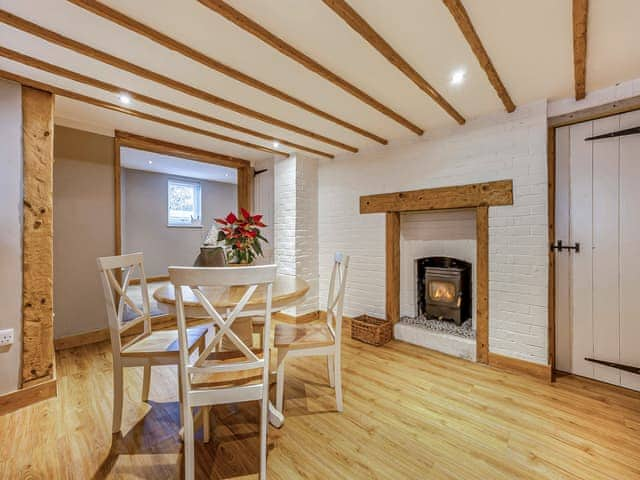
(598, 287)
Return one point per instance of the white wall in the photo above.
(263, 203)
(11, 231)
(83, 228)
(145, 219)
(616, 92)
(295, 224)
(503, 146)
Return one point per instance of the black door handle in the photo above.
(559, 246)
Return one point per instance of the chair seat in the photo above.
(303, 336)
(163, 343)
(227, 379)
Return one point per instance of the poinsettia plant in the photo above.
(242, 235)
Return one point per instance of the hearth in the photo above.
(444, 289)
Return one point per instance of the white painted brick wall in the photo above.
(296, 224)
(492, 148)
(616, 92)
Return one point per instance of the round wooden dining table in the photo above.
(287, 291)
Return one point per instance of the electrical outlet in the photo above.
(6, 337)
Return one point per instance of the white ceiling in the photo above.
(154, 162)
(530, 43)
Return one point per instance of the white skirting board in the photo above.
(441, 342)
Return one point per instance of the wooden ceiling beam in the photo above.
(129, 23)
(252, 27)
(461, 17)
(77, 77)
(66, 42)
(225, 160)
(580, 12)
(366, 31)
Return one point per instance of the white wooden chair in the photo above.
(147, 348)
(223, 377)
(316, 339)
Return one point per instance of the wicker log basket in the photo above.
(375, 331)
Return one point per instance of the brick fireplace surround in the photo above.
(480, 196)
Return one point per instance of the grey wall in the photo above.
(145, 219)
(84, 227)
(11, 231)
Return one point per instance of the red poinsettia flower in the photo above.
(242, 235)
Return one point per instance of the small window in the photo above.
(184, 205)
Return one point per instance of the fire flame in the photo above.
(441, 291)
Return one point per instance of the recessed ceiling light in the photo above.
(226, 174)
(276, 144)
(150, 162)
(125, 99)
(457, 77)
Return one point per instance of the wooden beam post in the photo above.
(580, 12)
(37, 249)
(245, 188)
(482, 289)
(392, 257)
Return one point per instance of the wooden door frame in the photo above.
(139, 142)
(585, 115)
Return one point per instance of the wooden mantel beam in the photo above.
(366, 31)
(461, 17)
(247, 24)
(160, 38)
(580, 12)
(463, 196)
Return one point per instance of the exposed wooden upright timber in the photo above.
(132, 24)
(392, 260)
(156, 102)
(66, 42)
(254, 28)
(366, 31)
(580, 14)
(245, 188)
(551, 215)
(461, 196)
(482, 284)
(163, 147)
(461, 17)
(38, 357)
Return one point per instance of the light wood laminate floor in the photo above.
(409, 413)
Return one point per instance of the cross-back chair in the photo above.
(316, 338)
(223, 376)
(130, 317)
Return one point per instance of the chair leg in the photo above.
(338, 381)
(146, 382)
(206, 426)
(189, 448)
(280, 381)
(332, 370)
(264, 428)
(180, 399)
(118, 387)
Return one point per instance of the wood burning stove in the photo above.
(444, 289)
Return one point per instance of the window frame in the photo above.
(198, 200)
